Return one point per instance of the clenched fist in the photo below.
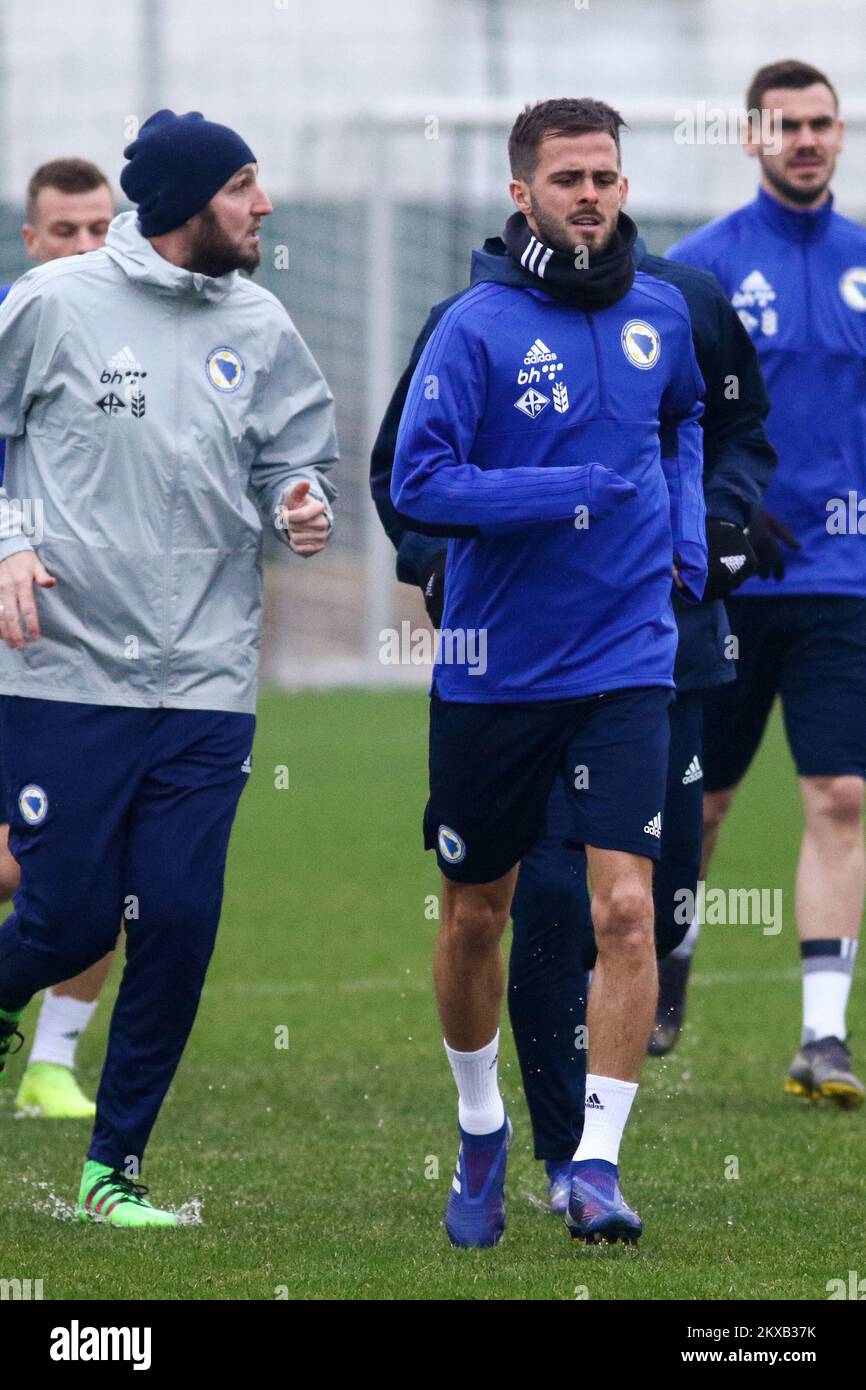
(305, 520)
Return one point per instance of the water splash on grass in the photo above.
(60, 1209)
(49, 1204)
(189, 1213)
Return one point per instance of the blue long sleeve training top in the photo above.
(798, 281)
(520, 411)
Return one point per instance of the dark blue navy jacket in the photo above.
(738, 460)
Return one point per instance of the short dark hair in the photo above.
(788, 73)
(561, 116)
(68, 175)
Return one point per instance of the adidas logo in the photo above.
(123, 367)
(654, 826)
(754, 292)
(123, 359)
(539, 352)
(755, 282)
(733, 562)
(247, 764)
(592, 1102)
(694, 772)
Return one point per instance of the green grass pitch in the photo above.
(315, 1163)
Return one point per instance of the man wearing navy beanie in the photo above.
(177, 166)
(162, 404)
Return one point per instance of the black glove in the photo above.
(433, 588)
(730, 558)
(765, 531)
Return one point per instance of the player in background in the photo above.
(132, 629)
(553, 941)
(558, 351)
(69, 208)
(796, 272)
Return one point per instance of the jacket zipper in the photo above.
(807, 290)
(169, 550)
(602, 394)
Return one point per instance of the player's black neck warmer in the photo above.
(604, 281)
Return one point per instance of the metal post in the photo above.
(380, 382)
(151, 74)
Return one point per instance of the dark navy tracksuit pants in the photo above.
(117, 814)
(553, 944)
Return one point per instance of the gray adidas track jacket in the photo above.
(140, 402)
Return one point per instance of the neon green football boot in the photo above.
(52, 1091)
(108, 1195)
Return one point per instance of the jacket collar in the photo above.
(137, 258)
(810, 224)
(493, 262)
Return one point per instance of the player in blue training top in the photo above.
(552, 941)
(552, 432)
(69, 208)
(796, 271)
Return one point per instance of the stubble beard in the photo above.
(555, 235)
(804, 197)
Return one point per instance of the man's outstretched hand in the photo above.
(19, 621)
(305, 519)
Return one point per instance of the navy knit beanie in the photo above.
(176, 166)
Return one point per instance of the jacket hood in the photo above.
(137, 259)
(493, 262)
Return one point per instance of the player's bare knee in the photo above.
(716, 807)
(623, 919)
(837, 802)
(475, 923)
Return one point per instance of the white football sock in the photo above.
(480, 1109)
(62, 1020)
(608, 1103)
(825, 999)
(686, 948)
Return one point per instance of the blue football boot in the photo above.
(596, 1210)
(475, 1211)
(559, 1175)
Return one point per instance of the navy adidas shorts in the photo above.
(493, 767)
(810, 649)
